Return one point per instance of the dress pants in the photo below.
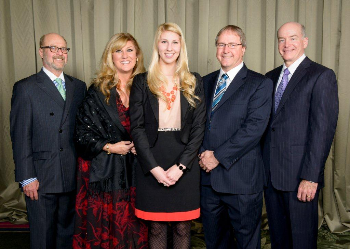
(51, 220)
(226, 216)
(292, 223)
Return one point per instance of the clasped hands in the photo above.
(207, 161)
(122, 147)
(168, 177)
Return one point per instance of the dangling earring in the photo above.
(137, 59)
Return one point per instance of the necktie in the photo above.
(282, 86)
(60, 88)
(219, 92)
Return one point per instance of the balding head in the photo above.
(291, 42)
(49, 35)
(53, 61)
(296, 25)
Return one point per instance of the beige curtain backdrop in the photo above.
(87, 25)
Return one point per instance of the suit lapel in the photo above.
(211, 89)
(236, 83)
(111, 108)
(45, 83)
(70, 88)
(274, 77)
(154, 103)
(294, 81)
(184, 108)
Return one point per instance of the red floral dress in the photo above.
(107, 220)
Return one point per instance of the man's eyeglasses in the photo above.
(55, 49)
(229, 45)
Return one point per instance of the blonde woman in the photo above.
(167, 125)
(105, 204)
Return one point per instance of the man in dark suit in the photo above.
(43, 110)
(238, 104)
(297, 141)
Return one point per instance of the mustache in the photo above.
(58, 57)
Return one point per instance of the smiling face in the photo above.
(291, 42)
(229, 57)
(169, 47)
(54, 62)
(125, 59)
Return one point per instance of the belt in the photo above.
(169, 129)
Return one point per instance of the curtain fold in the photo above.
(87, 25)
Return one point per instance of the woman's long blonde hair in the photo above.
(155, 75)
(107, 77)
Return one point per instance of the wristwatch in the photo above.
(182, 168)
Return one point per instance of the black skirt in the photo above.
(179, 202)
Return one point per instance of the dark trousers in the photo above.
(51, 220)
(292, 223)
(226, 216)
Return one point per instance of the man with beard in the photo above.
(43, 110)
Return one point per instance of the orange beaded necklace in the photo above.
(170, 96)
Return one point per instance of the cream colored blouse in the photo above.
(170, 118)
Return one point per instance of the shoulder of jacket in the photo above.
(210, 75)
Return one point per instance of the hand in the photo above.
(174, 173)
(208, 162)
(122, 147)
(307, 191)
(133, 151)
(159, 173)
(31, 190)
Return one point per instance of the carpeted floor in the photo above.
(326, 240)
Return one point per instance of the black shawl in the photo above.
(98, 123)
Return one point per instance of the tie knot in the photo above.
(286, 71)
(59, 81)
(224, 76)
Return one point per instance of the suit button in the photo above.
(60, 131)
(61, 149)
(273, 129)
(51, 113)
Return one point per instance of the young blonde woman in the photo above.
(167, 115)
(105, 204)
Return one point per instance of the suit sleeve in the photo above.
(251, 130)
(137, 125)
(21, 124)
(324, 110)
(197, 131)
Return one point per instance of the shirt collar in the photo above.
(52, 76)
(233, 72)
(295, 65)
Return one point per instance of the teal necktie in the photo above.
(60, 88)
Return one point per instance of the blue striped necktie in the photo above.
(219, 92)
(60, 88)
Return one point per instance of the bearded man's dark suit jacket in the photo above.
(233, 132)
(42, 127)
(299, 138)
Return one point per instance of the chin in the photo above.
(287, 58)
